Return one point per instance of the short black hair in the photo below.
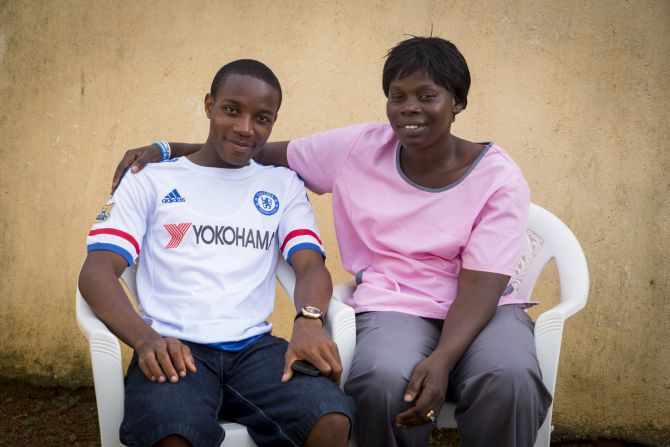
(248, 67)
(436, 57)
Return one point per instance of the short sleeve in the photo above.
(297, 228)
(496, 241)
(121, 223)
(318, 158)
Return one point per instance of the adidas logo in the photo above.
(173, 197)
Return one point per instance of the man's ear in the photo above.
(209, 102)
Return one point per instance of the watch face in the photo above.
(311, 312)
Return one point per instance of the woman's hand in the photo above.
(427, 389)
(475, 303)
(138, 158)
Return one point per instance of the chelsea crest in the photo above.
(266, 202)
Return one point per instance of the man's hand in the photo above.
(138, 158)
(313, 287)
(309, 342)
(160, 357)
(427, 389)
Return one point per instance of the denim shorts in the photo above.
(243, 387)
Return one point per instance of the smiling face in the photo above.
(420, 111)
(241, 118)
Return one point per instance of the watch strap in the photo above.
(303, 314)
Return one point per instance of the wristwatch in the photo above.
(311, 312)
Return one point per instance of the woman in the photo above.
(432, 226)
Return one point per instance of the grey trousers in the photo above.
(497, 385)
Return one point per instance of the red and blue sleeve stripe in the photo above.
(124, 239)
(302, 239)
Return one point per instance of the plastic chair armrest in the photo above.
(107, 367)
(341, 326)
(88, 323)
(343, 291)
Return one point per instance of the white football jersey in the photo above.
(209, 239)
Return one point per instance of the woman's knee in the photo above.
(381, 391)
(379, 380)
(511, 385)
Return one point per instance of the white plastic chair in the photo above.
(547, 238)
(108, 369)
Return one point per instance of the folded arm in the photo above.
(309, 341)
(159, 358)
(136, 159)
(475, 304)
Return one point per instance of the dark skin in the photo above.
(476, 302)
(241, 118)
(421, 113)
(160, 358)
(271, 154)
(164, 359)
(167, 358)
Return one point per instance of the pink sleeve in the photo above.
(497, 238)
(318, 158)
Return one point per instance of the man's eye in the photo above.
(230, 109)
(263, 119)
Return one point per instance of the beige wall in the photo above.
(577, 91)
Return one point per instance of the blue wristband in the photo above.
(165, 149)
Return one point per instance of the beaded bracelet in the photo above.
(164, 146)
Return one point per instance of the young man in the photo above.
(210, 227)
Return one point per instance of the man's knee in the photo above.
(156, 421)
(173, 441)
(331, 429)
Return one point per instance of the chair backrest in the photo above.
(548, 238)
(128, 278)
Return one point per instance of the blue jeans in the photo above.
(243, 387)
